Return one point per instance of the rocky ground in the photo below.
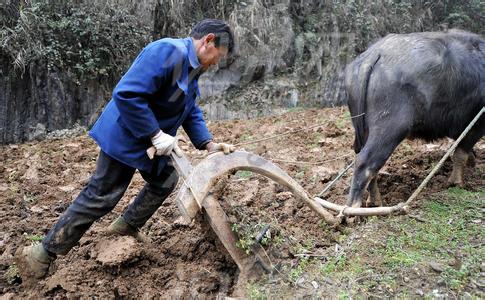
(39, 180)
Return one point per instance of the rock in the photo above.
(315, 284)
(437, 267)
(36, 209)
(7, 296)
(300, 281)
(3, 187)
(38, 132)
(67, 188)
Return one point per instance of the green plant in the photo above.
(333, 265)
(295, 109)
(295, 273)
(247, 235)
(34, 237)
(254, 291)
(78, 38)
(12, 274)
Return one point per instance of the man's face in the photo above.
(209, 54)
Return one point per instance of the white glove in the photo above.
(164, 143)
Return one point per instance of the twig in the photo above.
(418, 218)
(310, 255)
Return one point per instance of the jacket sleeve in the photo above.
(150, 69)
(195, 127)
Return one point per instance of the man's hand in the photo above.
(226, 148)
(164, 143)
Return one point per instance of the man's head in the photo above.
(213, 40)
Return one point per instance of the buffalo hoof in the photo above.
(374, 201)
(352, 220)
(456, 183)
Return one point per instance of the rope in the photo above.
(295, 162)
(333, 182)
(279, 135)
(199, 203)
(290, 132)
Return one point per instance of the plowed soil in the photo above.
(39, 179)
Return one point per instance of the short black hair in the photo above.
(220, 29)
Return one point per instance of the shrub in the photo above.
(82, 39)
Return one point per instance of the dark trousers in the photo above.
(104, 190)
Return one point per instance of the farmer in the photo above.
(151, 101)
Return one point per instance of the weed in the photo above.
(34, 237)
(335, 264)
(295, 109)
(300, 174)
(12, 275)
(245, 137)
(396, 256)
(278, 240)
(296, 272)
(343, 121)
(247, 236)
(254, 291)
(344, 295)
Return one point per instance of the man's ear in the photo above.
(210, 38)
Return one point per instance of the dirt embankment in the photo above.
(39, 180)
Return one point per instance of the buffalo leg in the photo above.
(464, 154)
(368, 163)
(374, 198)
(460, 158)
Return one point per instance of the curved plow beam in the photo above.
(201, 179)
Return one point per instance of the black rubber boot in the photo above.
(33, 261)
(121, 227)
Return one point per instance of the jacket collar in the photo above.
(194, 61)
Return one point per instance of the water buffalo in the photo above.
(425, 85)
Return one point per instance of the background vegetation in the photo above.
(85, 40)
(96, 40)
(290, 53)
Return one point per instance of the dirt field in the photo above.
(39, 180)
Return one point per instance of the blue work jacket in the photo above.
(157, 92)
